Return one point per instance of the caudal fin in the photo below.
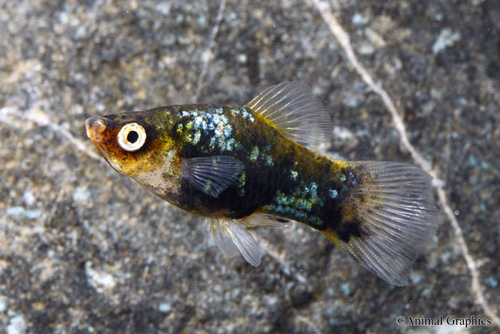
(388, 217)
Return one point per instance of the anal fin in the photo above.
(233, 238)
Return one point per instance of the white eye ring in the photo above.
(132, 137)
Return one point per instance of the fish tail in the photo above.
(387, 217)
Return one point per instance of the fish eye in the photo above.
(132, 137)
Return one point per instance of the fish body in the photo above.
(246, 166)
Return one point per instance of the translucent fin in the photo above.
(212, 175)
(232, 237)
(264, 219)
(293, 108)
(388, 219)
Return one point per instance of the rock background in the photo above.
(85, 250)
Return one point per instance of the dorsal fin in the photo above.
(293, 108)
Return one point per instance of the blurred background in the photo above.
(86, 250)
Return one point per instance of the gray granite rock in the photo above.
(85, 250)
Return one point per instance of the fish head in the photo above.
(135, 144)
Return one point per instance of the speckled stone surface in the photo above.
(85, 250)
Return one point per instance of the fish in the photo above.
(256, 165)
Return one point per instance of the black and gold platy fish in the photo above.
(253, 166)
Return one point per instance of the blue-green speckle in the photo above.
(334, 194)
(254, 154)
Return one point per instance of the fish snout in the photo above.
(95, 126)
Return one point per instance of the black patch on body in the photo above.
(354, 226)
(349, 229)
(332, 215)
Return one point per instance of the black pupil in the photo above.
(132, 137)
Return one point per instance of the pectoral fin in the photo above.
(212, 175)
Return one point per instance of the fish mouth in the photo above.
(95, 127)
